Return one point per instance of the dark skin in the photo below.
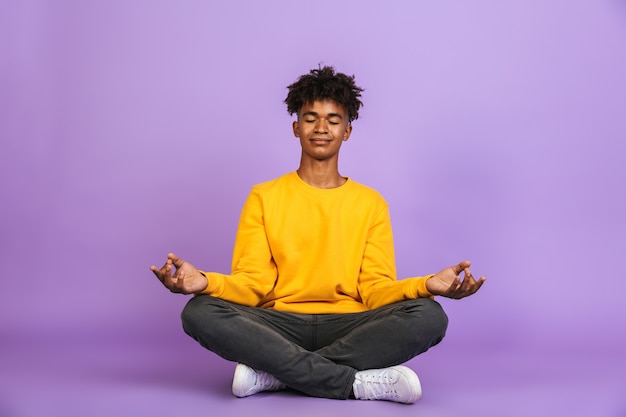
(182, 277)
(322, 127)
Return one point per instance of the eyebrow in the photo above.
(314, 113)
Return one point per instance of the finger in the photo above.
(179, 273)
(167, 269)
(178, 283)
(175, 260)
(154, 270)
(458, 268)
(164, 268)
(479, 283)
(475, 286)
(468, 286)
(157, 273)
(468, 278)
(453, 290)
(456, 289)
(160, 273)
(165, 274)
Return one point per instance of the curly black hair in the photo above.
(324, 83)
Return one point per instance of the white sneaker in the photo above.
(247, 381)
(398, 383)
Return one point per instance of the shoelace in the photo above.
(378, 386)
(267, 382)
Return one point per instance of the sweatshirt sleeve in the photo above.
(378, 285)
(253, 269)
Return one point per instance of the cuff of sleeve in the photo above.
(215, 284)
(420, 287)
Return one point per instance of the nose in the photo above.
(321, 126)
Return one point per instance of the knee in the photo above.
(432, 318)
(438, 317)
(195, 312)
(190, 314)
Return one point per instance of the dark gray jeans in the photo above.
(317, 354)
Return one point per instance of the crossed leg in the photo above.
(318, 355)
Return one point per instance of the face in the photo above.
(322, 126)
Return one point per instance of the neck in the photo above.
(321, 174)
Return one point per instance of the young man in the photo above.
(313, 302)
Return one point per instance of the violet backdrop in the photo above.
(495, 130)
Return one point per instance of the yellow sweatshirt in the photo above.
(308, 250)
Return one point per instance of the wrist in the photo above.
(430, 285)
(420, 288)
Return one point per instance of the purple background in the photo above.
(495, 130)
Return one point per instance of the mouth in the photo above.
(319, 141)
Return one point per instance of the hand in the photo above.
(447, 282)
(186, 279)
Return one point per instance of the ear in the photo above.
(296, 127)
(347, 133)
